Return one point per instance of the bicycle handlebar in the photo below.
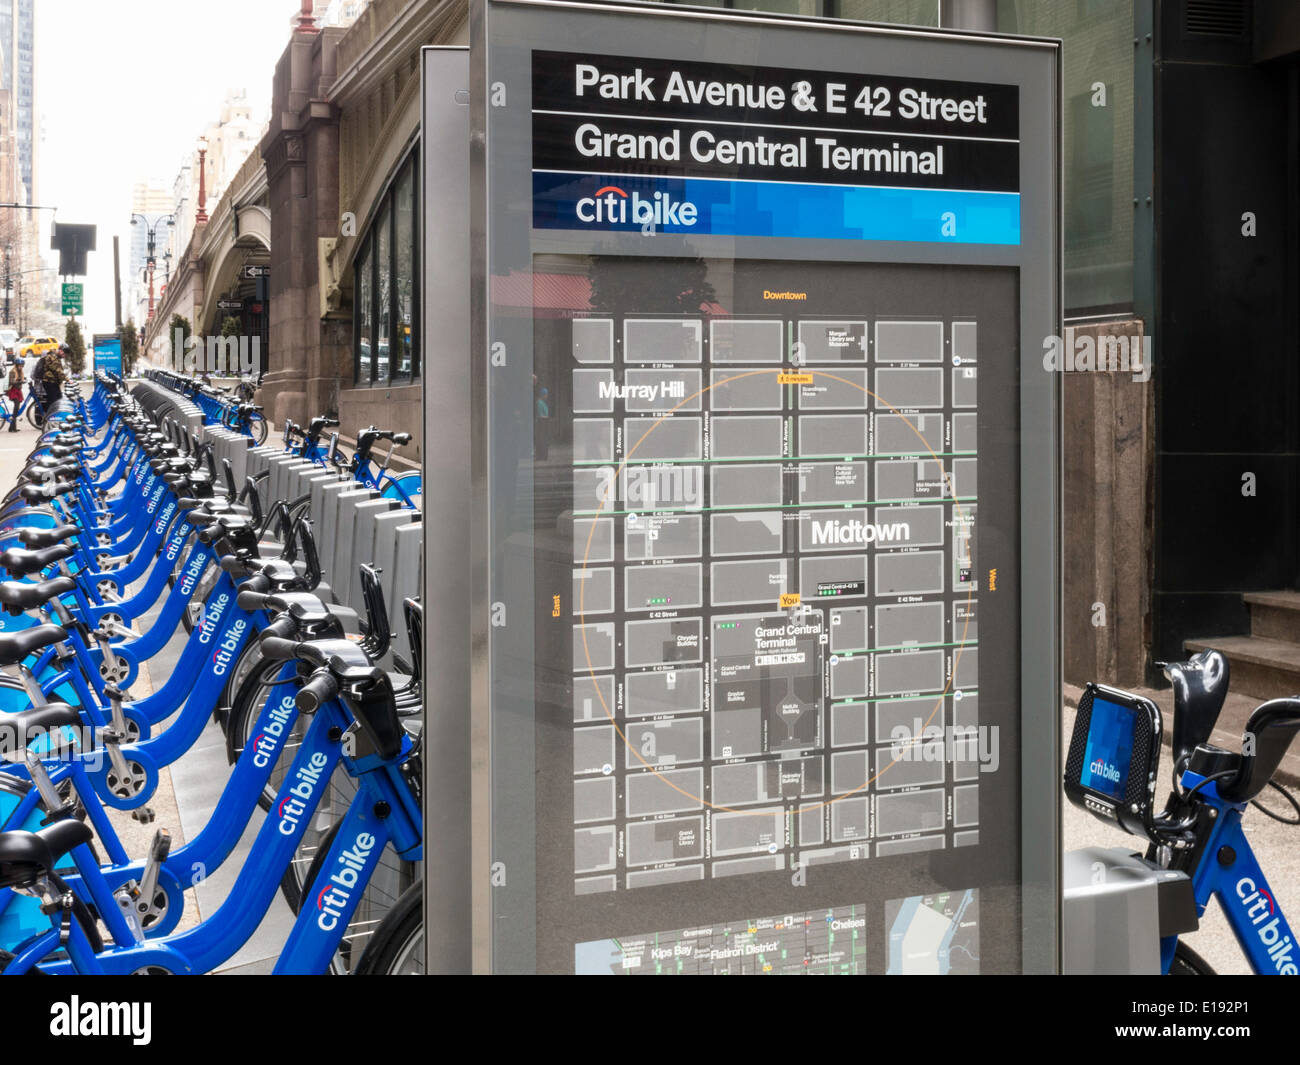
(320, 688)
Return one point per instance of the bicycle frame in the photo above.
(1229, 871)
(332, 899)
(192, 862)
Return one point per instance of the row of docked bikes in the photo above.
(122, 537)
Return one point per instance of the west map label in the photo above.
(631, 144)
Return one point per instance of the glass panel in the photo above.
(741, 510)
(785, 7)
(365, 317)
(1098, 76)
(384, 280)
(911, 12)
(405, 272)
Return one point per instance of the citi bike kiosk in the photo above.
(763, 522)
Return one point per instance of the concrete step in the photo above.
(1261, 667)
(1274, 615)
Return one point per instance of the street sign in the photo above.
(73, 302)
(230, 305)
(762, 440)
(251, 272)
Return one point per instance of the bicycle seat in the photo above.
(1273, 726)
(1200, 686)
(15, 646)
(38, 538)
(27, 856)
(35, 493)
(18, 730)
(22, 563)
(47, 466)
(17, 596)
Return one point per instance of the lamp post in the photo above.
(151, 237)
(201, 217)
(306, 20)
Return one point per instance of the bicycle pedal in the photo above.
(144, 815)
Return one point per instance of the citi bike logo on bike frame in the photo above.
(208, 624)
(165, 517)
(174, 544)
(294, 805)
(266, 742)
(334, 896)
(611, 205)
(192, 574)
(225, 652)
(153, 500)
(1259, 906)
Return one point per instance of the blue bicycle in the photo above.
(114, 503)
(32, 406)
(1197, 838)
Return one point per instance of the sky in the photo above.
(123, 90)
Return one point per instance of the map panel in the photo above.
(934, 934)
(818, 943)
(789, 563)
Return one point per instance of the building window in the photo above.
(383, 291)
(364, 315)
(386, 345)
(1097, 57)
(404, 273)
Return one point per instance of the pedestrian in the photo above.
(15, 393)
(50, 375)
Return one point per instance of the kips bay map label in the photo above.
(697, 147)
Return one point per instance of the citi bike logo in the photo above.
(165, 517)
(1101, 768)
(267, 742)
(153, 500)
(225, 652)
(613, 206)
(174, 544)
(192, 573)
(1259, 907)
(334, 896)
(294, 805)
(209, 623)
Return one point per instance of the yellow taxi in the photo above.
(35, 346)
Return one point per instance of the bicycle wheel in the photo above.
(397, 947)
(391, 880)
(392, 874)
(36, 415)
(412, 484)
(261, 680)
(258, 427)
(1188, 963)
